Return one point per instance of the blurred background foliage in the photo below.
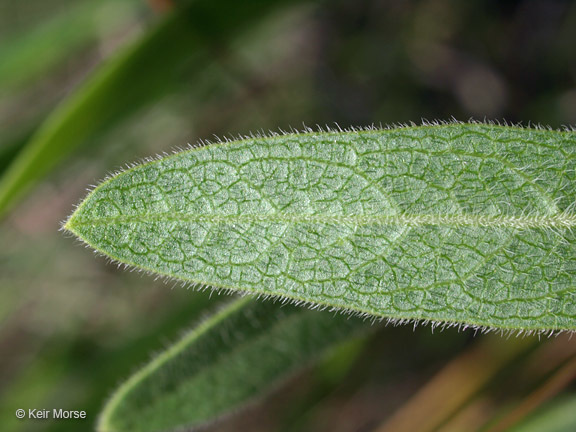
(87, 86)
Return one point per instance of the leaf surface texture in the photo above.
(459, 223)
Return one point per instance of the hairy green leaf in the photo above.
(232, 357)
(461, 223)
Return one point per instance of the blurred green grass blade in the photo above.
(559, 415)
(8, 152)
(29, 56)
(468, 224)
(116, 89)
(235, 355)
(129, 81)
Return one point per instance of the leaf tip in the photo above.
(67, 226)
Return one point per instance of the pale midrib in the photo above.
(560, 220)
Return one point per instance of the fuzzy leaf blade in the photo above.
(463, 223)
(232, 357)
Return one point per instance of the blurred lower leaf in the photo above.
(229, 359)
(134, 78)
